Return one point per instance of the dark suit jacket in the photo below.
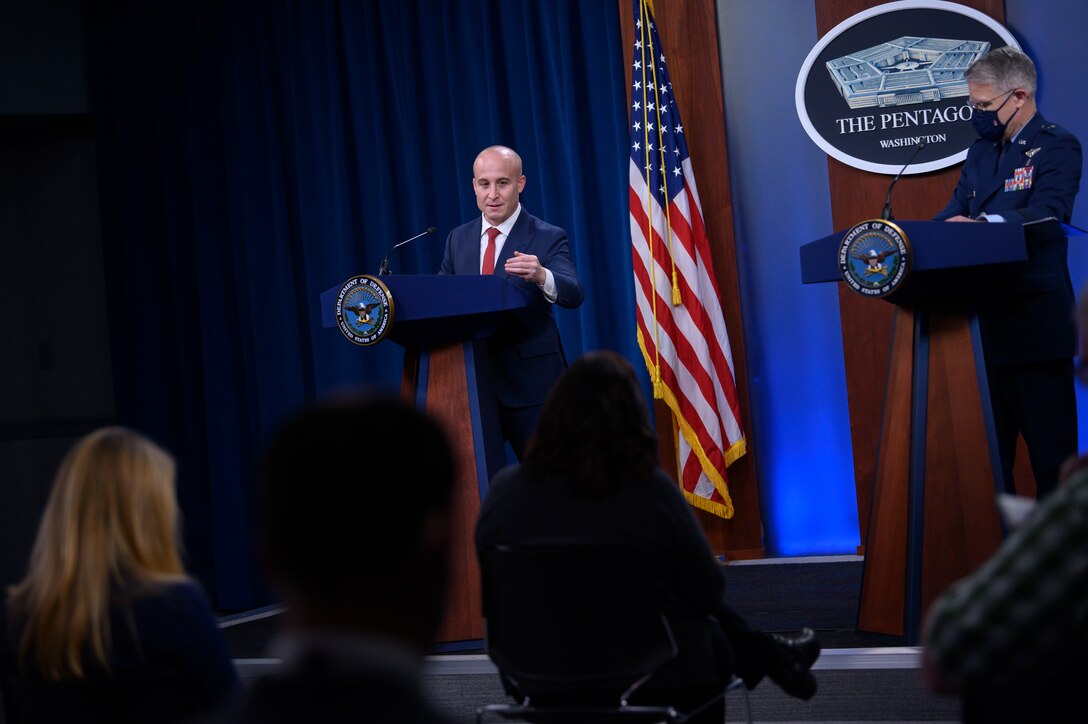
(166, 630)
(1027, 317)
(526, 353)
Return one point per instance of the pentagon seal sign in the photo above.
(364, 309)
(875, 258)
(893, 77)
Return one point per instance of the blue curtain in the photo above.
(253, 154)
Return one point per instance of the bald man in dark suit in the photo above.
(526, 353)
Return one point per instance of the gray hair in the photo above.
(1005, 68)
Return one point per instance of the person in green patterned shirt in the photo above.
(1011, 638)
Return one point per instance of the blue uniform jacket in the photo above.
(1027, 316)
(526, 353)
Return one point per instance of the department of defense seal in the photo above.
(874, 258)
(364, 309)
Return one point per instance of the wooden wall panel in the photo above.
(857, 195)
(689, 34)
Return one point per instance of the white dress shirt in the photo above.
(548, 287)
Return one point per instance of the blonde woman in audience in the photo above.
(105, 594)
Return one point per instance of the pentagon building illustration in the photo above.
(905, 70)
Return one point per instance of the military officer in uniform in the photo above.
(1024, 169)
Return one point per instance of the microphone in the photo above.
(887, 213)
(384, 268)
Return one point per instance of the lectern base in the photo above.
(934, 515)
(452, 384)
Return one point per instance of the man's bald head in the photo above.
(498, 183)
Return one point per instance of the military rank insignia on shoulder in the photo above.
(875, 258)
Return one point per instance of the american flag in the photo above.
(680, 326)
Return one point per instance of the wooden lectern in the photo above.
(443, 322)
(934, 513)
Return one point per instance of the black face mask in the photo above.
(987, 125)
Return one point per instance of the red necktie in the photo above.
(489, 252)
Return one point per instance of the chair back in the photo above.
(131, 698)
(575, 617)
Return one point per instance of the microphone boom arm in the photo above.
(886, 214)
(384, 268)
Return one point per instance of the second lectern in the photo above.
(934, 515)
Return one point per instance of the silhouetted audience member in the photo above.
(354, 527)
(1010, 638)
(591, 476)
(105, 595)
